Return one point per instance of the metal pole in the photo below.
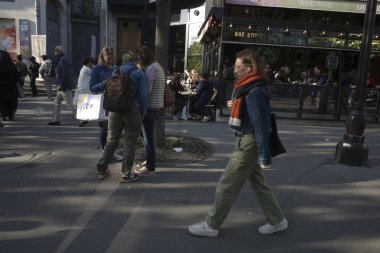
(352, 150)
(366, 48)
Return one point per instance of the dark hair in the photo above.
(86, 61)
(32, 58)
(44, 57)
(19, 57)
(6, 63)
(205, 75)
(146, 56)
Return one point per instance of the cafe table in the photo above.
(188, 94)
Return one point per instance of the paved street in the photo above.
(52, 201)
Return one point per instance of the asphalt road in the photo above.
(52, 201)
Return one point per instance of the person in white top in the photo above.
(83, 86)
(46, 71)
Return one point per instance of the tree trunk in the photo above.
(163, 16)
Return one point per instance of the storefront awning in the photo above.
(332, 5)
(212, 24)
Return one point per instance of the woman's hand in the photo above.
(229, 104)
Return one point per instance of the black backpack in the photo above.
(118, 93)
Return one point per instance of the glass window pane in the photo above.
(286, 36)
(326, 39)
(354, 40)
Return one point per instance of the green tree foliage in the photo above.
(194, 58)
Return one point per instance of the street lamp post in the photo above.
(352, 150)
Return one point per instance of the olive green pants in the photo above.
(242, 166)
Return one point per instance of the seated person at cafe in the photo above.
(195, 80)
(204, 91)
(180, 100)
(319, 78)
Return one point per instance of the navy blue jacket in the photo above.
(256, 120)
(63, 77)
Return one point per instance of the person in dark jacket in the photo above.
(23, 72)
(249, 118)
(65, 85)
(130, 122)
(33, 74)
(204, 91)
(180, 100)
(9, 78)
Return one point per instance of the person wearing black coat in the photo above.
(204, 91)
(33, 74)
(9, 79)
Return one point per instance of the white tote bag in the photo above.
(90, 107)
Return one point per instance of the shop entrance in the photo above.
(128, 36)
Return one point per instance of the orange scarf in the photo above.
(241, 88)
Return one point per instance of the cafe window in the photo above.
(336, 18)
(239, 11)
(354, 40)
(354, 19)
(326, 39)
(286, 36)
(376, 42)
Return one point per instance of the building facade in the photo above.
(83, 27)
(298, 34)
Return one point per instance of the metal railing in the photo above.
(320, 102)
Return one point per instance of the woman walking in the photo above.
(249, 118)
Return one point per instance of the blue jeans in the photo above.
(148, 133)
(103, 125)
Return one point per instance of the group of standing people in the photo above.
(147, 79)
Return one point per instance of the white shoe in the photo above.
(141, 165)
(118, 157)
(206, 118)
(268, 229)
(202, 229)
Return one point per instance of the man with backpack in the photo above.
(126, 99)
(47, 72)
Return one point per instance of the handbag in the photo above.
(90, 107)
(275, 144)
(169, 98)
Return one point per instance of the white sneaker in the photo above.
(118, 157)
(202, 229)
(268, 229)
(206, 118)
(141, 165)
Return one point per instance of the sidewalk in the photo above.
(51, 200)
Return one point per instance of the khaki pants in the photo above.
(242, 166)
(66, 96)
(131, 122)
